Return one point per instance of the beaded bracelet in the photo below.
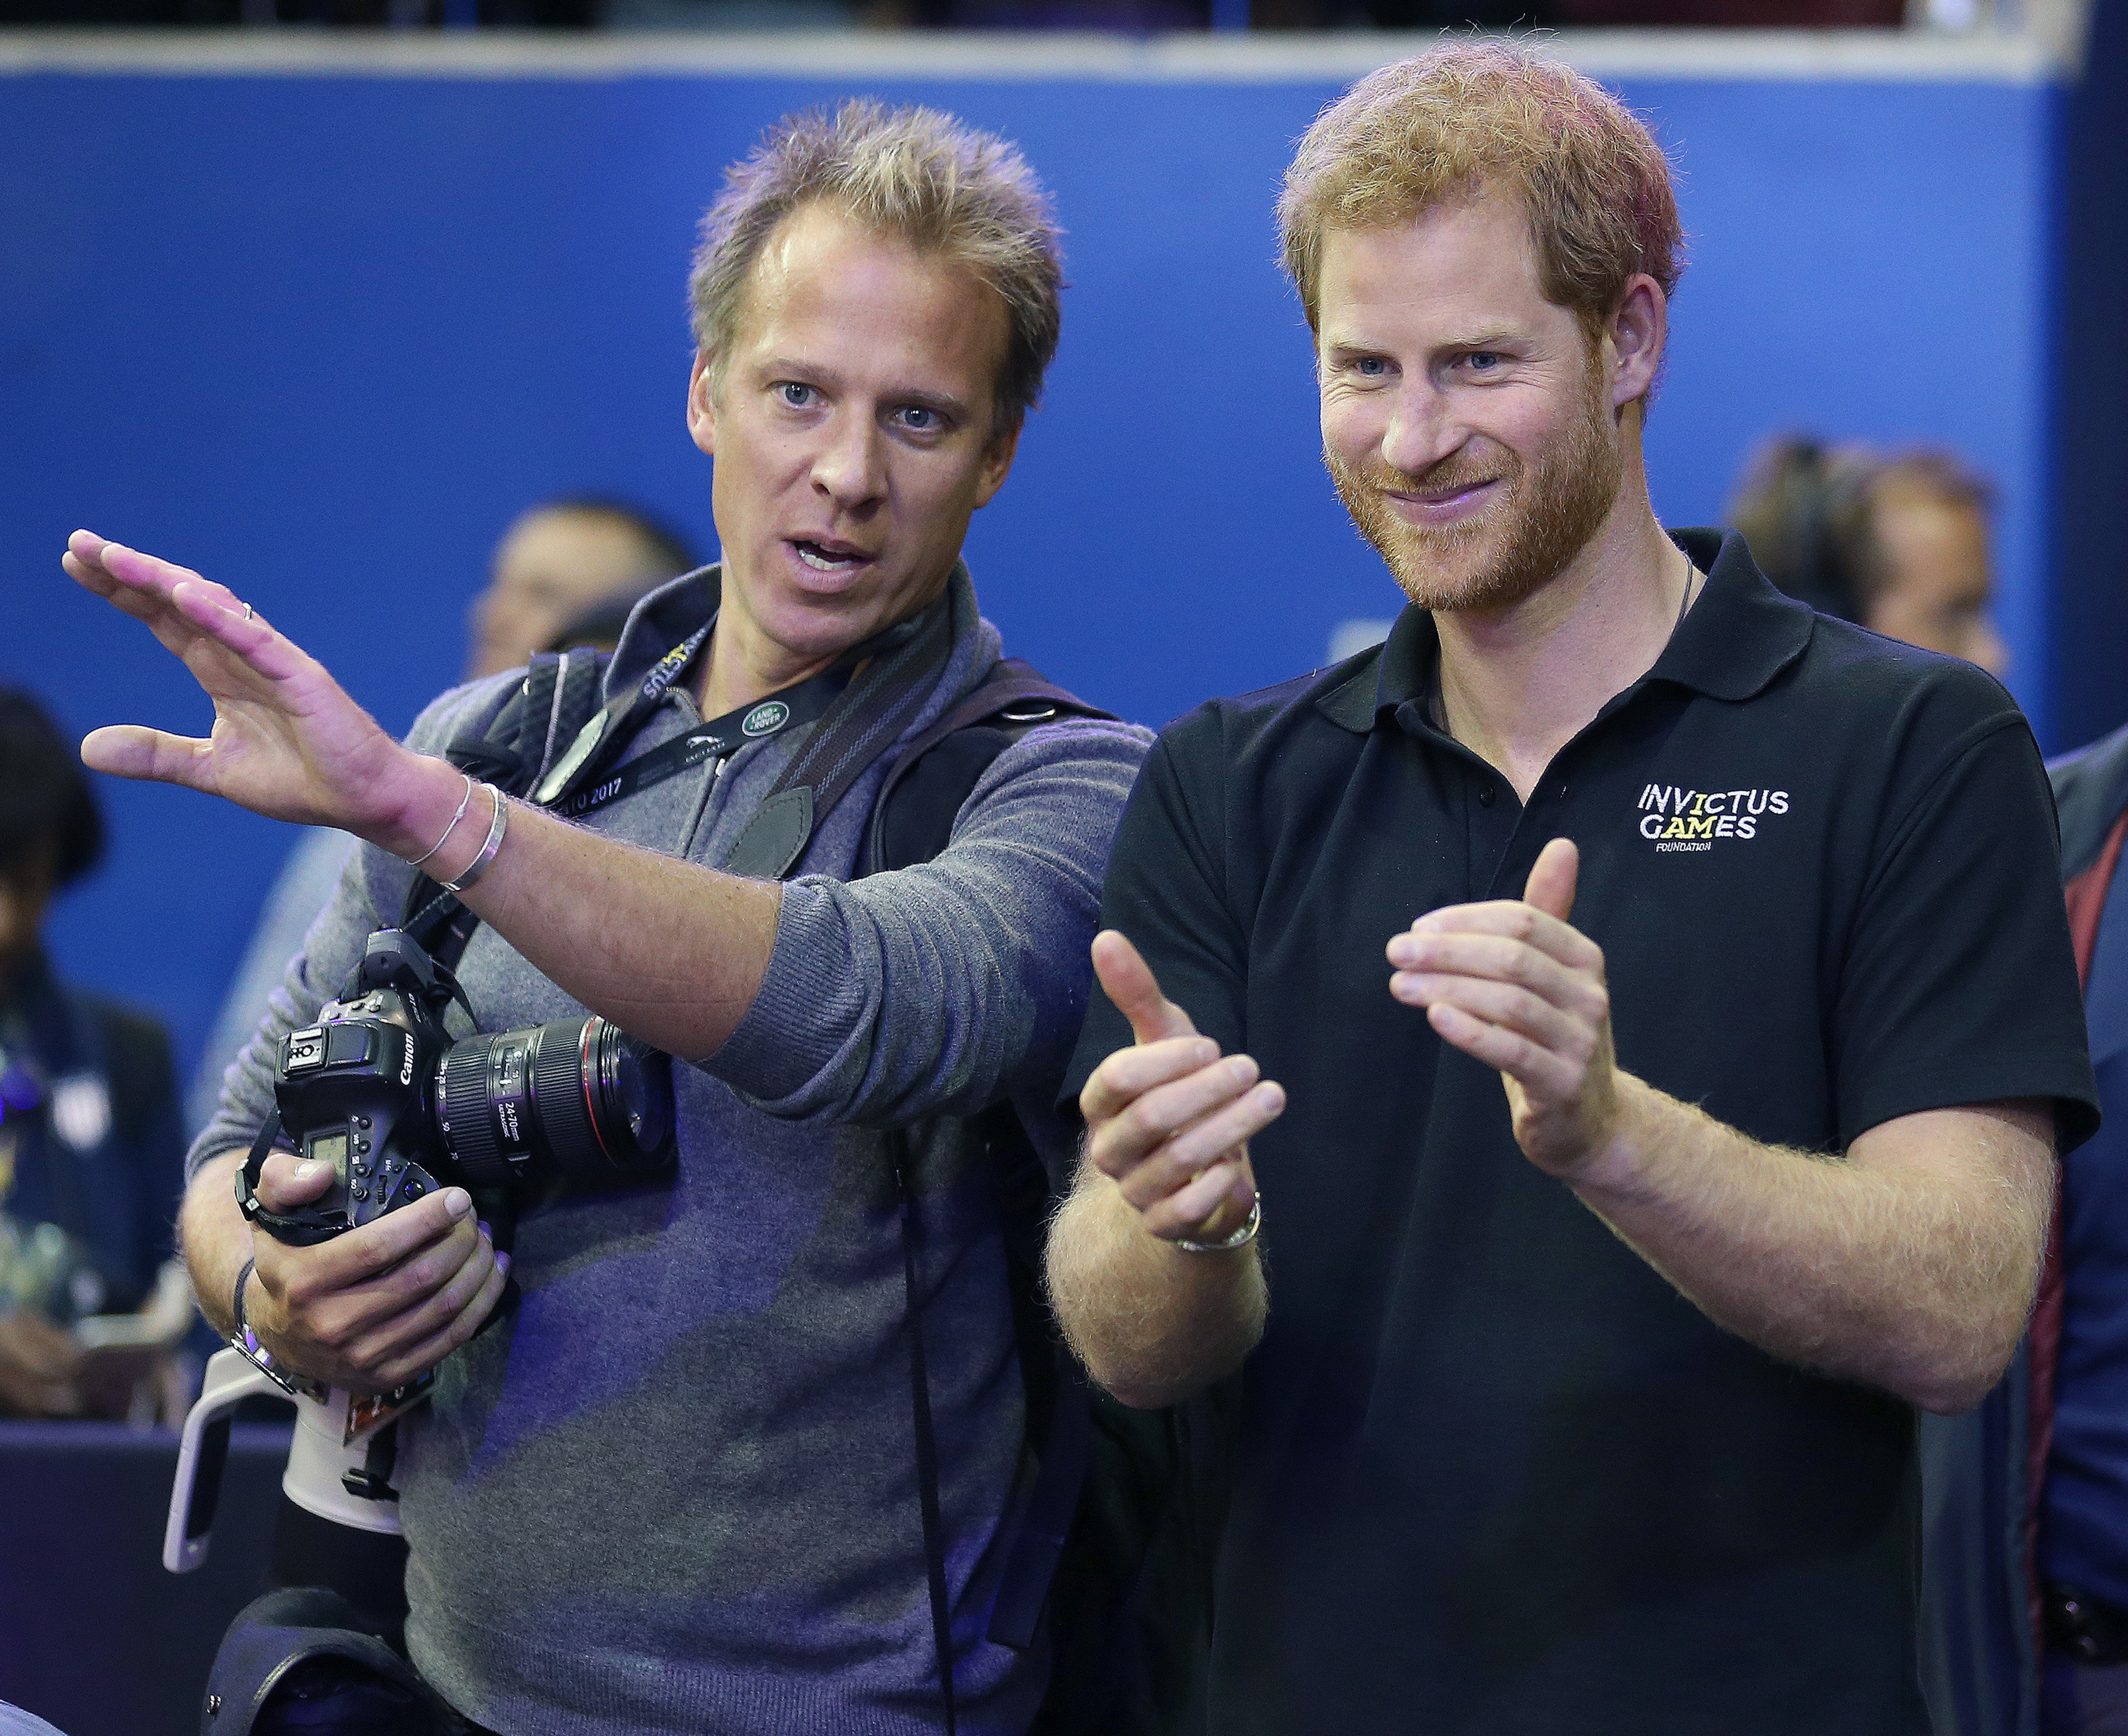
(245, 1342)
(236, 1308)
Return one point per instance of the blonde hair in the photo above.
(918, 175)
(1411, 136)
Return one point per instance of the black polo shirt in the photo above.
(1497, 1477)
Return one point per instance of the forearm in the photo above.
(1152, 1323)
(1917, 1280)
(214, 1238)
(672, 952)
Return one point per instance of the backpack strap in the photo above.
(925, 788)
(931, 778)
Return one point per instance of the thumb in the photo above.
(130, 751)
(1551, 881)
(1128, 981)
(284, 1181)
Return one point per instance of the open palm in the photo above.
(287, 741)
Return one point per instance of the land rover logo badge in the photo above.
(765, 718)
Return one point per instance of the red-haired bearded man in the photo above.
(1622, 1206)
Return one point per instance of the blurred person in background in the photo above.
(557, 561)
(1896, 542)
(565, 573)
(92, 1153)
(2068, 1391)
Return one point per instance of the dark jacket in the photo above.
(100, 1146)
(1983, 1473)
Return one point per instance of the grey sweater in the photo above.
(677, 1491)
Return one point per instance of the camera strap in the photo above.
(301, 1232)
(717, 739)
(900, 672)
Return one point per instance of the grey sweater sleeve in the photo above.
(935, 989)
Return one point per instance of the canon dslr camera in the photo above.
(379, 1090)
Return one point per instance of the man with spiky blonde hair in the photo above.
(708, 1476)
(1699, 1126)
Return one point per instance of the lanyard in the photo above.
(717, 739)
(620, 717)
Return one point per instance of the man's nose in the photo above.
(849, 467)
(1422, 429)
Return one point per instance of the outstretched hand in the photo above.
(287, 741)
(1513, 985)
(1167, 1119)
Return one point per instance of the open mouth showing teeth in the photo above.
(824, 560)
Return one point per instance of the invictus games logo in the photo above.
(765, 718)
(1692, 819)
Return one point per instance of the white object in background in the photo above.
(81, 1109)
(1349, 638)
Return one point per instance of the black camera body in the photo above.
(378, 1089)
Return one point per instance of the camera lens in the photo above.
(632, 1098)
(575, 1097)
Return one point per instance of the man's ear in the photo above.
(1637, 333)
(701, 404)
(996, 465)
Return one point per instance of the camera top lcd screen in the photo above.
(329, 1147)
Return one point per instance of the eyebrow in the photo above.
(1341, 345)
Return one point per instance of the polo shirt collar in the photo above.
(1742, 632)
(1736, 637)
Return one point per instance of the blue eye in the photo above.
(1483, 361)
(1371, 367)
(919, 419)
(794, 393)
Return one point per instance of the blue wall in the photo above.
(321, 337)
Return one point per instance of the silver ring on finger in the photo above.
(247, 611)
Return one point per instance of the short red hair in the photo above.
(1469, 114)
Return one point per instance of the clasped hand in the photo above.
(369, 1310)
(1513, 985)
(1168, 1120)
